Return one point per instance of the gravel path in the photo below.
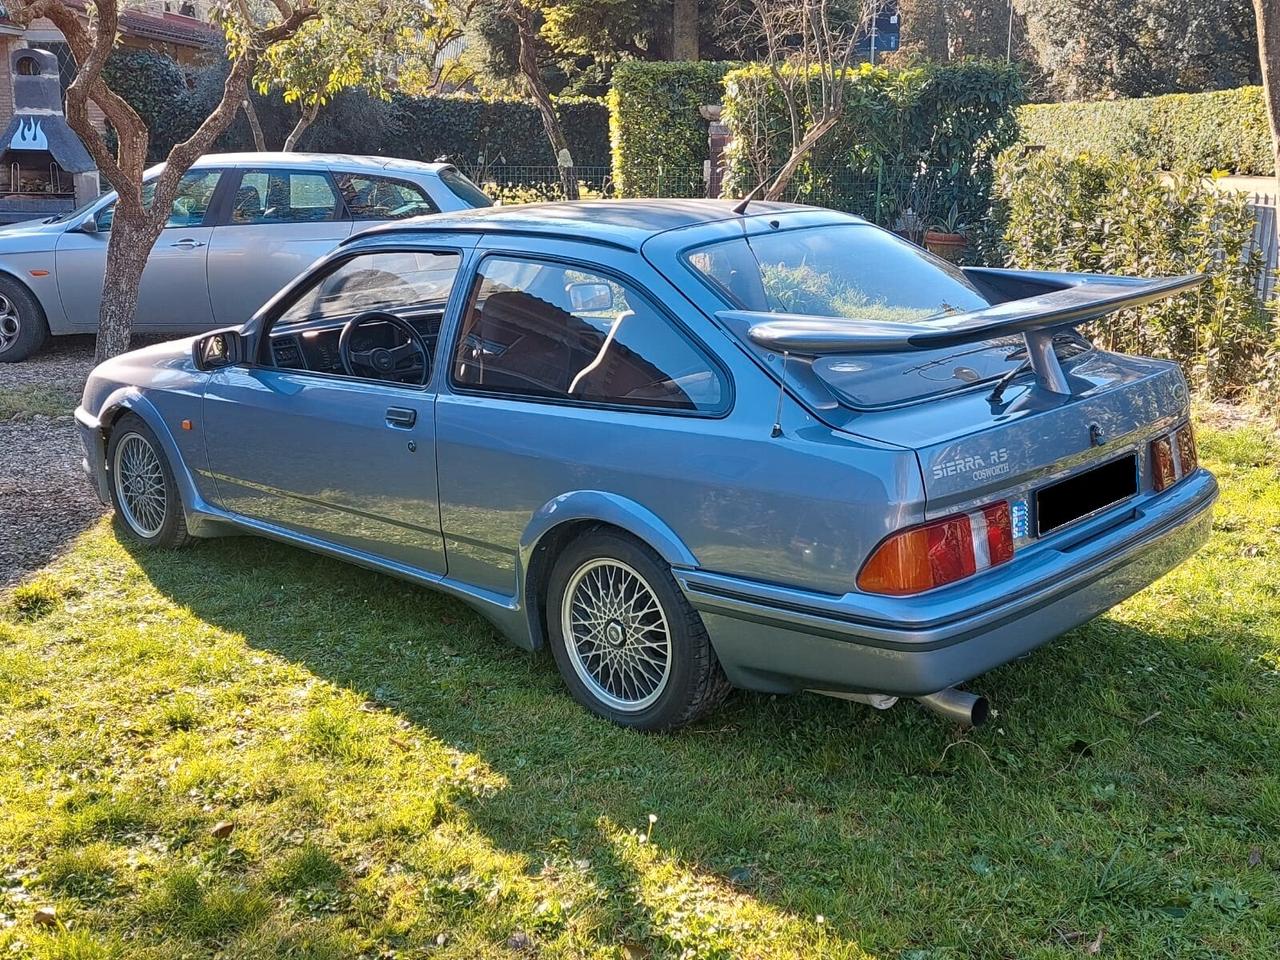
(44, 498)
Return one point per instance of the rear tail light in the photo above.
(941, 552)
(1173, 456)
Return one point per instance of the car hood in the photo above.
(30, 236)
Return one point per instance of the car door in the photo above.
(174, 295)
(565, 376)
(280, 221)
(295, 442)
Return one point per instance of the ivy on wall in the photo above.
(657, 132)
(1222, 130)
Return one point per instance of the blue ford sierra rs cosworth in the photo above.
(691, 445)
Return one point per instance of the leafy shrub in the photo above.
(658, 136)
(469, 130)
(1121, 215)
(510, 193)
(1222, 130)
(921, 138)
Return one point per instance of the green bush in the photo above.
(658, 136)
(1223, 130)
(922, 138)
(471, 131)
(156, 87)
(1121, 215)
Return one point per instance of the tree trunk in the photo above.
(1267, 13)
(255, 126)
(684, 30)
(127, 252)
(305, 119)
(801, 150)
(542, 100)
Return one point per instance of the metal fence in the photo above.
(1266, 240)
(879, 196)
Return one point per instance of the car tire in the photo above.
(626, 641)
(23, 326)
(143, 490)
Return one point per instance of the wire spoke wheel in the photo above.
(10, 323)
(140, 487)
(615, 632)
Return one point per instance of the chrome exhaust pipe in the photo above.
(958, 706)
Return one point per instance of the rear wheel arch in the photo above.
(558, 523)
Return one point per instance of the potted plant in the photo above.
(948, 236)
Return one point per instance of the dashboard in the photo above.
(316, 347)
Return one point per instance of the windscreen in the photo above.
(860, 272)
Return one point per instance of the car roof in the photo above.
(626, 223)
(314, 160)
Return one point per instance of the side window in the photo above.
(195, 191)
(548, 330)
(381, 198)
(284, 196)
(403, 283)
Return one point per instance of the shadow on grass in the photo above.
(1128, 773)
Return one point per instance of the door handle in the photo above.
(401, 417)
(188, 243)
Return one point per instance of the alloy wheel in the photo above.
(615, 632)
(140, 489)
(10, 323)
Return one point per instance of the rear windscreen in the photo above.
(855, 271)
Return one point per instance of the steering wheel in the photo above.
(407, 363)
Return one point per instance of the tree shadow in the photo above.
(900, 830)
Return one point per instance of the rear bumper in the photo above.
(782, 640)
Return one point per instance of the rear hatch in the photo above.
(972, 450)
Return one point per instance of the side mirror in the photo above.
(222, 348)
(87, 225)
(590, 296)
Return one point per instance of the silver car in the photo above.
(242, 227)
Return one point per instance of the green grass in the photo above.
(22, 403)
(403, 783)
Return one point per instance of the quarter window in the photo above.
(381, 198)
(541, 329)
(283, 196)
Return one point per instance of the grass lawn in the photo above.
(398, 782)
(21, 403)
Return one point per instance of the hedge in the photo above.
(912, 143)
(471, 131)
(1222, 130)
(658, 136)
(1097, 214)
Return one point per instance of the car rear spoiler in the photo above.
(1041, 305)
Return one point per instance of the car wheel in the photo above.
(23, 327)
(626, 641)
(143, 489)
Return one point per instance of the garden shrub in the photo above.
(921, 139)
(474, 132)
(658, 135)
(1121, 215)
(1222, 130)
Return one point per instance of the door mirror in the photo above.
(88, 225)
(590, 296)
(222, 348)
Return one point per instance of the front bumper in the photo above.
(94, 463)
(783, 640)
